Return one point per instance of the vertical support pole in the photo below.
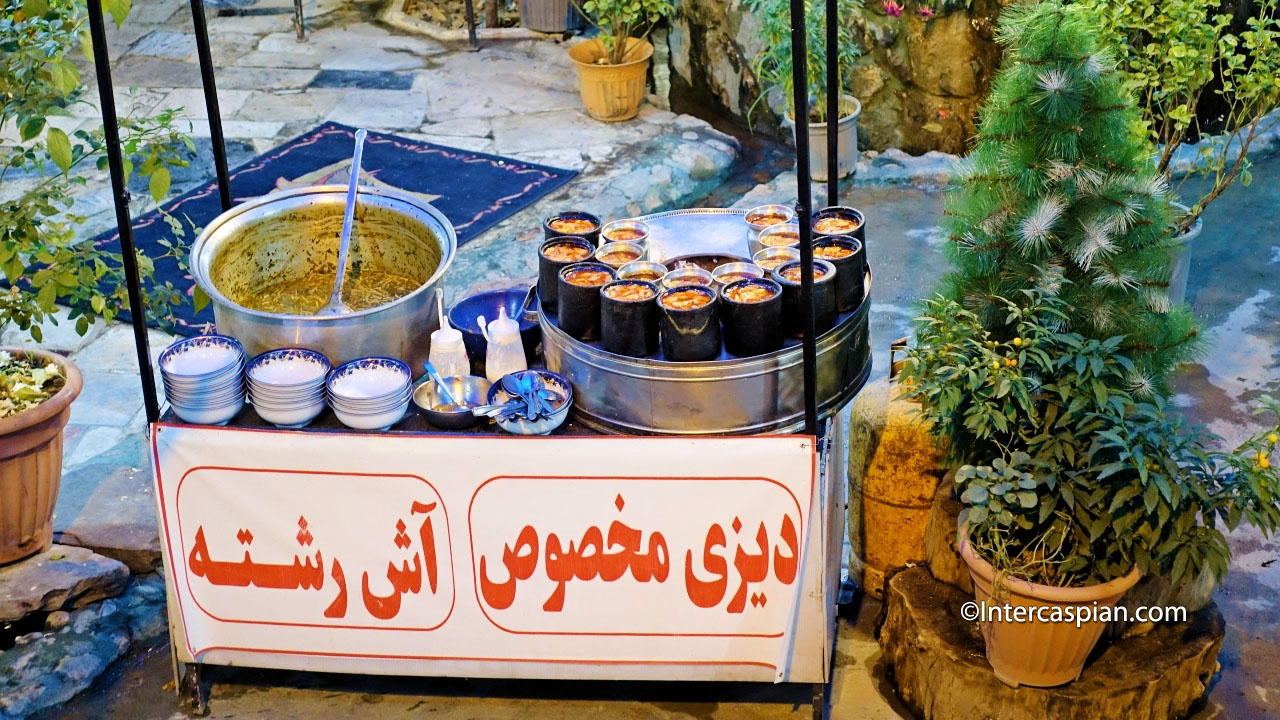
(471, 24)
(804, 208)
(211, 103)
(833, 103)
(120, 194)
(297, 21)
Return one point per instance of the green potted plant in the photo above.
(773, 70)
(1086, 488)
(613, 67)
(39, 255)
(1052, 330)
(1198, 69)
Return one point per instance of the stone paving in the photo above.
(519, 99)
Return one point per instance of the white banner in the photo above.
(398, 553)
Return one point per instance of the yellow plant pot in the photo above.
(612, 93)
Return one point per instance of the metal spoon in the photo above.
(440, 386)
(335, 306)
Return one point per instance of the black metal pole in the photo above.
(471, 24)
(804, 207)
(833, 103)
(211, 103)
(120, 193)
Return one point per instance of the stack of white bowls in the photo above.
(286, 386)
(204, 378)
(370, 393)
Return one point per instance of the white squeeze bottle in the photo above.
(505, 353)
(447, 353)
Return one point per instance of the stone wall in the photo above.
(920, 79)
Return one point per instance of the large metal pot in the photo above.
(289, 234)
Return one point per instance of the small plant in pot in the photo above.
(613, 68)
(1205, 77)
(1088, 487)
(774, 71)
(40, 257)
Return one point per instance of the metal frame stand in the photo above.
(188, 675)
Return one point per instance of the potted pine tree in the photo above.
(773, 68)
(613, 67)
(1052, 337)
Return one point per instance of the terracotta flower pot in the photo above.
(612, 93)
(1035, 653)
(31, 465)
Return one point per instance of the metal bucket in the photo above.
(719, 397)
(288, 234)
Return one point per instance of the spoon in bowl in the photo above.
(335, 306)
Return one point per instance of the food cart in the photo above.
(685, 524)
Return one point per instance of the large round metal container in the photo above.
(727, 396)
(289, 234)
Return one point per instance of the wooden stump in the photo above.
(941, 673)
(941, 554)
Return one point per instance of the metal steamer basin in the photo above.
(287, 234)
(729, 395)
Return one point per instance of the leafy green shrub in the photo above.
(1068, 480)
(773, 67)
(38, 81)
(621, 19)
(1175, 55)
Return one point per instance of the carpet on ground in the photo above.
(474, 190)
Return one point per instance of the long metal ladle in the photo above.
(335, 306)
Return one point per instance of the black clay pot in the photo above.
(690, 334)
(578, 306)
(592, 236)
(846, 213)
(751, 328)
(549, 270)
(850, 270)
(629, 326)
(824, 298)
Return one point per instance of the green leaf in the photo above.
(31, 128)
(159, 184)
(35, 8)
(66, 77)
(47, 296)
(119, 9)
(86, 45)
(199, 298)
(98, 303)
(59, 149)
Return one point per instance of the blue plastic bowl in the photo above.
(463, 317)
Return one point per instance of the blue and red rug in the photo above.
(474, 190)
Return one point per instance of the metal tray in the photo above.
(726, 396)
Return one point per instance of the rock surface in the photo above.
(941, 555)
(941, 673)
(46, 669)
(920, 80)
(60, 578)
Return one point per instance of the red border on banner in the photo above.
(164, 516)
(453, 580)
(475, 566)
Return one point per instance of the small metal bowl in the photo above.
(761, 242)
(642, 270)
(688, 276)
(772, 257)
(732, 272)
(626, 248)
(628, 227)
(520, 425)
(754, 228)
(469, 390)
